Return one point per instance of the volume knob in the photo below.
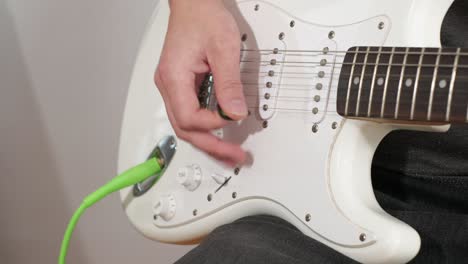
(165, 207)
(190, 177)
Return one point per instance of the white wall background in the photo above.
(64, 70)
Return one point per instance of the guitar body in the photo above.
(311, 169)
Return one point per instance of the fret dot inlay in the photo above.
(409, 82)
(380, 81)
(356, 80)
(443, 83)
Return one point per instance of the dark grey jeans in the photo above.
(420, 178)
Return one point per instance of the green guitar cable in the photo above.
(130, 177)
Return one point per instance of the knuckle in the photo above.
(180, 134)
(163, 74)
(184, 121)
(162, 71)
(157, 78)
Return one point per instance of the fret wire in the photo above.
(400, 83)
(466, 120)
(350, 82)
(431, 96)
(362, 81)
(382, 109)
(415, 89)
(374, 75)
(452, 83)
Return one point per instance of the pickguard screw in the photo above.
(315, 128)
(317, 98)
(321, 74)
(323, 62)
(319, 86)
(381, 25)
(281, 36)
(244, 37)
(271, 73)
(292, 23)
(265, 107)
(331, 35)
(315, 110)
(234, 195)
(195, 212)
(362, 237)
(265, 124)
(257, 7)
(308, 217)
(209, 198)
(334, 125)
(236, 171)
(267, 96)
(273, 62)
(325, 50)
(269, 84)
(275, 51)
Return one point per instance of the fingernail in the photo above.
(237, 107)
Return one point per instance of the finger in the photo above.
(185, 106)
(228, 153)
(224, 63)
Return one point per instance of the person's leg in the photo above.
(260, 240)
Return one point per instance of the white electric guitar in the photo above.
(325, 81)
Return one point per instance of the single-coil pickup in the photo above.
(318, 95)
(270, 81)
(261, 73)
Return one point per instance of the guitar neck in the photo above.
(404, 84)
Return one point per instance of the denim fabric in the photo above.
(419, 177)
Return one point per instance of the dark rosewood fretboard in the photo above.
(406, 84)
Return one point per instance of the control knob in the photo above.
(190, 177)
(165, 207)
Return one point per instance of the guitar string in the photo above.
(337, 77)
(305, 99)
(329, 98)
(286, 63)
(343, 53)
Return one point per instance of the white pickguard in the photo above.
(319, 181)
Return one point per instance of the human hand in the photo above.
(202, 37)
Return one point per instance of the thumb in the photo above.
(224, 64)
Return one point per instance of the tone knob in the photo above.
(190, 177)
(165, 207)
